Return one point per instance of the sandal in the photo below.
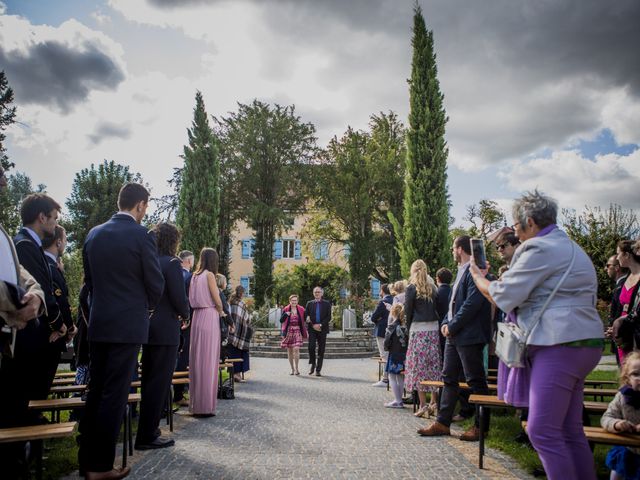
(422, 412)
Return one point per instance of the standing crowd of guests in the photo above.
(137, 293)
(548, 287)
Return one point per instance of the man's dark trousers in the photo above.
(321, 339)
(183, 362)
(111, 369)
(470, 360)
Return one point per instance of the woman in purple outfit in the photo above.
(566, 337)
(204, 353)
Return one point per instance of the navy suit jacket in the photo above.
(122, 273)
(32, 258)
(380, 316)
(164, 325)
(442, 301)
(61, 292)
(325, 314)
(471, 314)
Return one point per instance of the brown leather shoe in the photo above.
(471, 435)
(114, 474)
(435, 430)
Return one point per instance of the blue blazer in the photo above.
(380, 316)
(471, 314)
(164, 325)
(122, 273)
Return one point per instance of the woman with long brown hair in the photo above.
(204, 355)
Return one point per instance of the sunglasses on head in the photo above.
(502, 246)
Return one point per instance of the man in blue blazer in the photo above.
(123, 275)
(318, 312)
(380, 318)
(467, 329)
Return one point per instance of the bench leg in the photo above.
(125, 437)
(231, 376)
(481, 443)
(379, 371)
(130, 430)
(170, 409)
(39, 445)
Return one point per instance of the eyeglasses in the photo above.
(513, 227)
(502, 246)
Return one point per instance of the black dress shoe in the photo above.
(157, 443)
(318, 374)
(313, 369)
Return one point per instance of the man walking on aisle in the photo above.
(318, 319)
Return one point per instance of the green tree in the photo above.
(345, 190)
(269, 148)
(424, 232)
(301, 279)
(485, 218)
(19, 186)
(598, 232)
(94, 198)
(7, 117)
(199, 201)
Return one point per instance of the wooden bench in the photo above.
(491, 401)
(462, 385)
(37, 433)
(65, 375)
(59, 404)
(234, 361)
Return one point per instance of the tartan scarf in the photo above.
(241, 339)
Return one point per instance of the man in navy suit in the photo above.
(318, 313)
(467, 329)
(380, 318)
(54, 247)
(123, 275)
(39, 214)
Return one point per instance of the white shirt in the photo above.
(34, 235)
(7, 265)
(127, 213)
(461, 270)
(51, 256)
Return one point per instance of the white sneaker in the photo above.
(381, 383)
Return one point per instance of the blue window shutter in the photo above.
(298, 250)
(244, 281)
(324, 250)
(375, 288)
(317, 251)
(253, 246)
(246, 249)
(277, 249)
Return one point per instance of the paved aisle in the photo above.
(282, 427)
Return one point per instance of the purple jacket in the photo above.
(284, 320)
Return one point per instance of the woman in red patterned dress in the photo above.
(294, 332)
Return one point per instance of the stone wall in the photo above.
(360, 337)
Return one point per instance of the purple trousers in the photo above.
(555, 409)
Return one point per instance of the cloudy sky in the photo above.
(540, 94)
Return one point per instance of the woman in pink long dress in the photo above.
(204, 354)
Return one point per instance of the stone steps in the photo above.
(328, 349)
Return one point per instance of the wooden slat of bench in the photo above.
(493, 401)
(226, 365)
(596, 407)
(37, 432)
(601, 382)
(63, 381)
(600, 392)
(436, 383)
(68, 389)
(600, 435)
(69, 403)
(234, 360)
(66, 375)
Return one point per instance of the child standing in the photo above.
(623, 415)
(396, 341)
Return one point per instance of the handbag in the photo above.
(511, 340)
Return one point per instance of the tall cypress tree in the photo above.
(199, 204)
(426, 210)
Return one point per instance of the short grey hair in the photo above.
(542, 209)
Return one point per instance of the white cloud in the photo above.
(576, 181)
(100, 18)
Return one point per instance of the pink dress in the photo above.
(204, 354)
(625, 301)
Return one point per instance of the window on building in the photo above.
(375, 288)
(248, 285)
(291, 248)
(321, 250)
(248, 244)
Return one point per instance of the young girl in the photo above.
(396, 341)
(623, 415)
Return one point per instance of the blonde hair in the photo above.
(398, 287)
(397, 312)
(626, 367)
(291, 296)
(221, 281)
(420, 278)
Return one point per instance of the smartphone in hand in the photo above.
(478, 253)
